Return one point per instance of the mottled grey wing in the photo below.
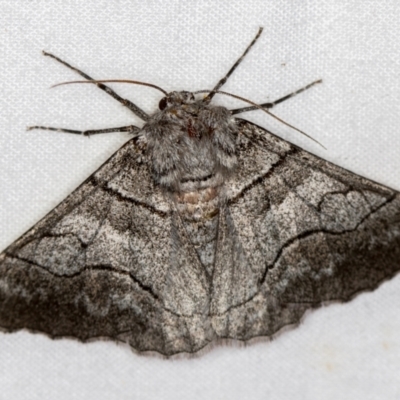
(296, 232)
(112, 260)
(115, 259)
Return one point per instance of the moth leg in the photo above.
(209, 97)
(274, 103)
(127, 103)
(131, 129)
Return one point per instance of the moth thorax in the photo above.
(192, 145)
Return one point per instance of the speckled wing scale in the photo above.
(201, 227)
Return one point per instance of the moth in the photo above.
(201, 227)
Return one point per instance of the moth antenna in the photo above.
(113, 81)
(263, 109)
(211, 94)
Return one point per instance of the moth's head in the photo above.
(176, 99)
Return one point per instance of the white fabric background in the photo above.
(349, 351)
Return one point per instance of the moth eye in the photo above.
(162, 104)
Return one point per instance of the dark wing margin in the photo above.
(310, 233)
